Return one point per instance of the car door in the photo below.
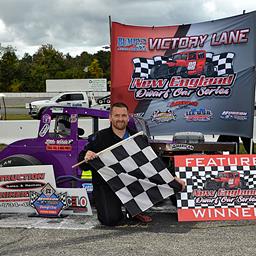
(72, 100)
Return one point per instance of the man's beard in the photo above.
(120, 125)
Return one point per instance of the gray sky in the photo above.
(75, 26)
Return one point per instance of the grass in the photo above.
(18, 117)
(2, 146)
(242, 150)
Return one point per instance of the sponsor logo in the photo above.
(139, 114)
(23, 185)
(183, 74)
(88, 187)
(217, 196)
(182, 103)
(59, 142)
(198, 115)
(48, 202)
(44, 130)
(178, 147)
(163, 117)
(73, 118)
(131, 44)
(234, 115)
(77, 203)
(59, 145)
(46, 119)
(181, 87)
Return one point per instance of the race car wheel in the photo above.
(226, 186)
(19, 160)
(160, 71)
(108, 101)
(209, 69)
(184, 72)
(243, 184)
(100, 102)
(211, 185)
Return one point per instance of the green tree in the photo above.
(94, 69)
(48, 63)
(30, 73)
(8, 70)
(24, 73)
(104, 61)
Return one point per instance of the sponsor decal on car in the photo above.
(46, 119)
(59, 145)
(44, 130)
(73, 118)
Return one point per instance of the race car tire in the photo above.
(226, 186)
(211, 185)
(160, 71)
(243, 184)
(19, 160)
(209, 69)
(100, 102)
(184, 72)
(108, 101)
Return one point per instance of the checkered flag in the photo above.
(142, 67)
(250, 181)
(63, 199)
(199, 181)
(136, 175)
(209, 56)
(158, 60)
(33, 196)
(223, 62)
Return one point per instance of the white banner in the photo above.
(17, 182)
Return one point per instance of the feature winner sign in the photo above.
(195, 77)
(219, 187)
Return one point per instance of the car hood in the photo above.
(40, 102)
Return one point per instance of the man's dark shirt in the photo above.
(98, 142)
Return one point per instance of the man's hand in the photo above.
(182, 182)
(89, 155)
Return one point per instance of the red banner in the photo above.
(216, 214)
(219, 187)
(215, 160)
(194, 77)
